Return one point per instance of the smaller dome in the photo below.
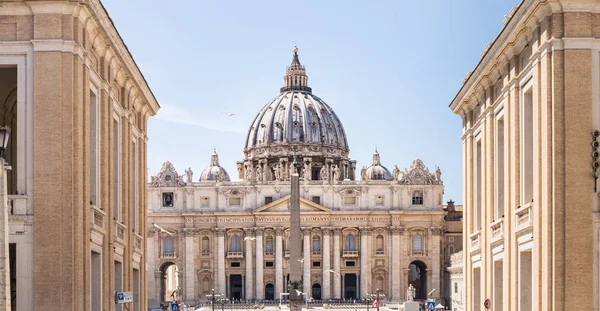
(214, 172)
(377, 171)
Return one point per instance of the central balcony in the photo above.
(235, 255)
(350, 254)
(166, 255)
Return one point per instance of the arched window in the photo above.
(417, 197)
(379, 245)
(418, 244)
(235, 244)
(205, 247)
(350, 243)
(269, 245)
(316, 244)
(168, 246)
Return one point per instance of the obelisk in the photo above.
(296, 287)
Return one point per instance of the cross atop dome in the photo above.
(295, 76)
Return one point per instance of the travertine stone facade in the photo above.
(383, 231)
(77, 105)
(529, 112)
(456, 284)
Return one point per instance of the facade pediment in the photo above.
(282, 205)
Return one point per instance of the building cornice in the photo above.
(105, 37)
(503, 46)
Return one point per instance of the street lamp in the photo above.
(212, 298)
(4, 134)
(376, 295)
(5, 296)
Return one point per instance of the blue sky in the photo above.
(388, 68)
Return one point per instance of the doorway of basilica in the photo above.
(316, 292)
(235, 286)
(350, 281)
(269, 292)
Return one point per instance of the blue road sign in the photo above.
(120, 296)
(431, 305)
(174, 306)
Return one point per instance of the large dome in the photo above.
(296, 126)
(296, 117)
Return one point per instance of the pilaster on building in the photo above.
(77, 106)
(529, 110)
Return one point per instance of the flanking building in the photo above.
(77, 106)
(364, 232)
(531, 115)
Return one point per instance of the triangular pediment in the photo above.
(282, 205)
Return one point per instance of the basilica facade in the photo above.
(377, 232)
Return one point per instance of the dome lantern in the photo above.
(295, 78)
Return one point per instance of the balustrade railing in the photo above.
(97, 218)
(474, 239)
(523, 217)
(497, 230)
(17, 204)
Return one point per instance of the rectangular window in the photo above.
(316, 199)
(379, 200)
(350, 263)
(116, 170)
(269, 264)
(136, 290)
(349, 200)
(478, 187)
(527, 147)
(451, 239)
(235, 201)
(417, 197)
(205, 202)
(476, 294)
(94, 131)
(268, 200)
(134, 187)
(235, 264)
(118, 282)
(498, 286)
(525, 270)
(499, 210)
(316, 264)
(167, 199)
(96, 280)
(12, 260)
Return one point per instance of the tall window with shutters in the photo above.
(417, 244)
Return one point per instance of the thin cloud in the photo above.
(175, 114)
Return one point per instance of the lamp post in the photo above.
(223, 300)
(5, 301)
(212, 298)
(376, 295)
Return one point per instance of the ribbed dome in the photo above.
(377, 171)
(214, 172)
(296, 117)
